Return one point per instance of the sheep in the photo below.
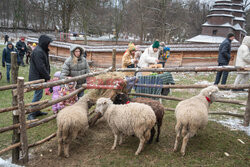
(192, 114)
(128, 119)
(70, 122)
(157, 107)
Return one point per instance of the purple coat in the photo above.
(56, 95)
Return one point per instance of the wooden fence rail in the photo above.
(185, 69)
(21, 88)
(180, 99)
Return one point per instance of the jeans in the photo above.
(224, 77)
(80, 94)
(8, 67)
(21, 58)
(37, 97)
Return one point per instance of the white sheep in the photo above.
(192, 114)
(130, 119)
(70, 121)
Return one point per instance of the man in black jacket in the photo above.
(6, 38)
(39, 69)
(224, 58)
(22, 49)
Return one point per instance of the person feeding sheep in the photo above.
(150, 55)
(76, 65)
(128, 58)
(164, 55)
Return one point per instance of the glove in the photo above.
(51, 89)
(3, 65)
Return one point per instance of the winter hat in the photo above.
(162, 44)
(156, 44)
(230, 35)
(137, 47)
(166, 49)
(22, 38)
(34, 44)
(131, 47)
(57, 74)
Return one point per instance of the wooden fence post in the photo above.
(23, 127)
(16, 135)
(114, 59)
(247, 112)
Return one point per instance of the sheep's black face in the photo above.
(121, 99)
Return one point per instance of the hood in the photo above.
(44, 42)
(246, 41)
(10, 43)
(74, 47)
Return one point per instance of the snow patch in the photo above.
(7, 163)
(204, 83)
(233, 124)
(208, 39)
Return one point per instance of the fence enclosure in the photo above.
(20, 145)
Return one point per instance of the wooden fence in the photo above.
(19, 88)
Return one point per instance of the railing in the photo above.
(19, 88)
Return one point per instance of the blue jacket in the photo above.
(6, 57)
(225, 52)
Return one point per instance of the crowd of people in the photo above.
(37, 56)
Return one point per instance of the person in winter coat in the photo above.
(164, 55)
(6, 58)
(224, 58)
(243, 59)
(6, 38)
(75, 65)
(39, 69)
(128, 59)
(28, 54)
(56, 93)
(22, 49)
(150, 55)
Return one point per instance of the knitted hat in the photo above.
(57, 74)
(156, 44)
(137, 47)
(34, 44)
(131, 47)
(22, 38)
(166, 49)
(230, 35)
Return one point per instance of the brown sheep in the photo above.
(157, 107)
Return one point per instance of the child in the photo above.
(67, 89)
(56, 93)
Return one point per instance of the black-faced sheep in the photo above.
(128, 119)
(192, 114)
(157, 107)
(70, 121)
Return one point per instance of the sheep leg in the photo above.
(152, 135)
(158, 132)
(192, 131)
(60, 145)
(142, 140)
(120, 142)
(66, 149)
(178, 135)
(115, 142)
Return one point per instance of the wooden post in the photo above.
(114, 59)
(16, 135)
(247, 112)
(23, 127)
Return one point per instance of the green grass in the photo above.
(205, 149)
(34, 134)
